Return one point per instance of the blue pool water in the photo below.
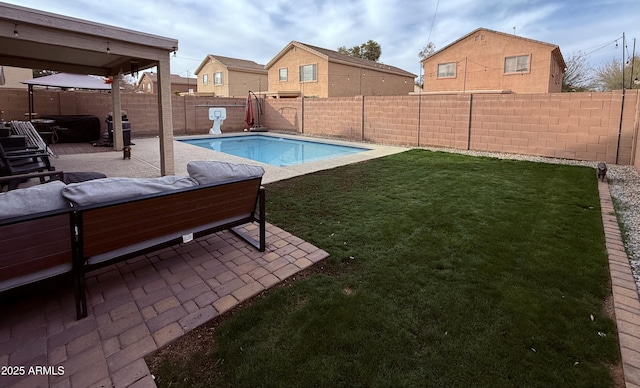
(275, 151)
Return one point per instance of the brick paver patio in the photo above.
(136, 307)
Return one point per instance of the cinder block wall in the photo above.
(283, 114)
(333, 117)
(585, 126)
(190, 113)
(564, 125)
(444, 121)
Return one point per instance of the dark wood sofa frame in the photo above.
(38, 247)
(102, 234)
(117, 231)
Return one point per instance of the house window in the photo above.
(205, 79)
(447, 70)
(308, 73)
(282, 73)
(217, 78)
(518, 64)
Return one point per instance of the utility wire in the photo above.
(433, 21)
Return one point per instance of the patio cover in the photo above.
(31, 38)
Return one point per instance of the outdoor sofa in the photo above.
(53, 228)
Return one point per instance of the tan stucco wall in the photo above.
(348, 81)
(292, 60)
(234, 82)
(146, 84)
(334, 79)
(242, 82)
(480, 66)
(13, 76)
(210, 69)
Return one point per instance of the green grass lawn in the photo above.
(445, 271)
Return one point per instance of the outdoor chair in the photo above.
(22, 162)
(34, 140)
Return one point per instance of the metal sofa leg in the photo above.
(262, 221)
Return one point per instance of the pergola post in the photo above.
(165, 122)
(118, 140)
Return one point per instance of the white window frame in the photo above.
(280, 74)
(516, 64)
(205, 79)
(447, 70)
(217, 78)
(314, 73)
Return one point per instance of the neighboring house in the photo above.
(304, 70)
(491, 61)
(10, 77)
(149, 83)
(230, 77)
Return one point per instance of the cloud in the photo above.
(257, 31)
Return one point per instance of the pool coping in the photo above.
(276, 150)
(145, 158)
(273, 173)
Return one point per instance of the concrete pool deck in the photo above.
(145, 159)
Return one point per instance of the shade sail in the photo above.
(67, 80)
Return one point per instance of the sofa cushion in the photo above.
(113, 189)
(31, 200)
(206, 172)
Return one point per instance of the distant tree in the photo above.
(633, 80)
(41, 73)
(128, 83)
(370, 50)
(609, 76)
(427, 51)
(578, 75)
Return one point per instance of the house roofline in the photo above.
(553, 46)
(357, 62)
(210, 57)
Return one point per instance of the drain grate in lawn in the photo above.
(445, 270)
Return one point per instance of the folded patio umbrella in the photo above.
(248, 111)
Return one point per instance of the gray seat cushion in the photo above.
(112, 189)
(206, 172)
(31, 200)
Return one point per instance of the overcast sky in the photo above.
(258, 30)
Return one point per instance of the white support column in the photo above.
(165, 121)
(118, 141)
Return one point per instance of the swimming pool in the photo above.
(276, 151)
